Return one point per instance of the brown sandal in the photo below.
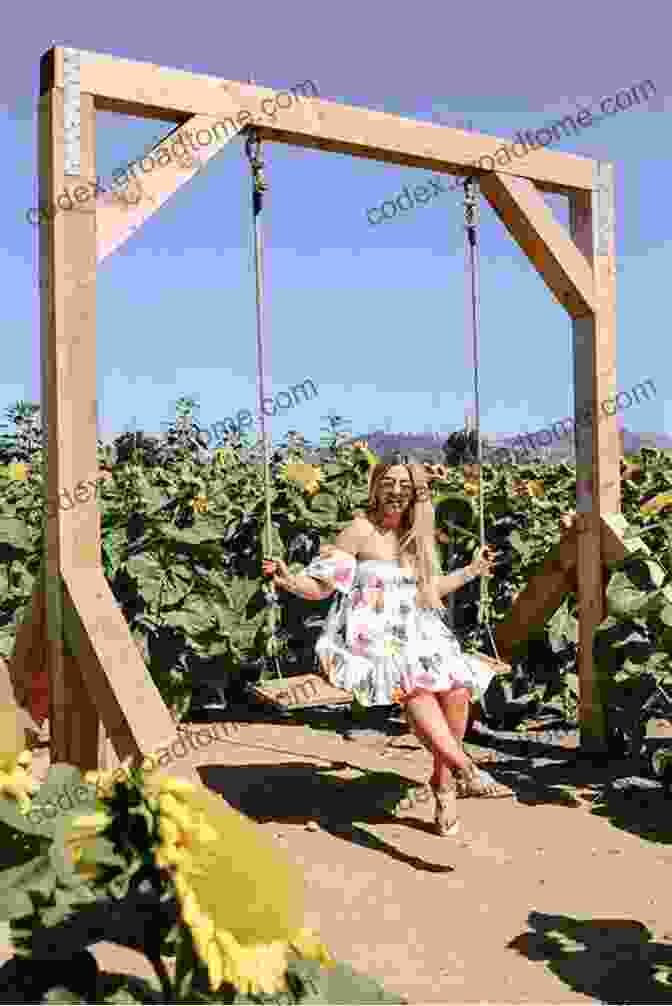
(478, 782)
(443, 826)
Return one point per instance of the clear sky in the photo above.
(376, 316)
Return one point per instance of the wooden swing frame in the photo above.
(74, 633)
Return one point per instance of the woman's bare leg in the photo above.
(455, 705)
(430, 727)
(455, 708)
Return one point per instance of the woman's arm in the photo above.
(453, 581)
(308, 587)
(481, 566)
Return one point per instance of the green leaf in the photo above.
(16, 533)
(624, 600)
(149, 573)
(36, 876)
(325, 504)
(451, 508)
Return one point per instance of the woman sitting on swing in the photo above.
(385, 638)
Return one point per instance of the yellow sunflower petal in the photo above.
(302, 473)
(243, 881)
(215, 965)
(168, 831)
(309, 946)
(91, 822)
(12, 734)
(170, 784)
(173, 810)
(17, 471)
(657, 503)
(254, 970)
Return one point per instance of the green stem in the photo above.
(163, 976)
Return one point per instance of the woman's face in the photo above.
(395, 490)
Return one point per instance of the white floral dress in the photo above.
(377, 642)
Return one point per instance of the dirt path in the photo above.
(463, 920)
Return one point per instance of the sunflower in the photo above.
(82, 831)
(199, 504)
(534, 489)
(363, 447)
(16, 780)
(105, 781)
(242, 901)
(17, 471)
(307, 476)
(658, 503)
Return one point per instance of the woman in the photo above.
(384, 636)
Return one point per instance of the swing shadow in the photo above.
(296, 793)
(610, 960)
(332, 719)
(616, 791)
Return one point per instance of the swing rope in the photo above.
(259, 187)
(473, 265)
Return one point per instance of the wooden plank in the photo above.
(67, 286)
(27, 665)
(597, 438)
(300, 692)
(135, 88)
(542, 596)
(7, 696)
(614, 548)
(122, 212)
(136, 719)
(85, 674)
(546, 243)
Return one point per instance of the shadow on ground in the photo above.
(300, 792)
(541, 769)
(612, 960)
(633, 804)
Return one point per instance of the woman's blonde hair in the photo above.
(417, 529)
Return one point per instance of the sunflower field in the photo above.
(183, 536)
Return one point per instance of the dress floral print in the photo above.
(377, 642)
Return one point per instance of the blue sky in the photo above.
(376, 316)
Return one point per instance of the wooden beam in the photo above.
(542, 596)
(614, 548)
(121, 213)
(27, 666)
(68, 288)
(546, 243)
(135, 716)
(7, 696)
(598, 446)
(135, 88)
(89, 649)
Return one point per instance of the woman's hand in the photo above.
(484, 561)
(277, 569)
(436, 473)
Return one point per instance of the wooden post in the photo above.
(598, 482)
(94, 669)
(68, 285)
